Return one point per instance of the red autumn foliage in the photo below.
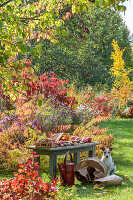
(47, 87)
(27, 185)
(100, 105)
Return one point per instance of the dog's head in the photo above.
(106, 151)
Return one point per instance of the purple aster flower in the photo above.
(36, 121)
(62, 104)
(7, 118)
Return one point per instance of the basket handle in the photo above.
(67, 155)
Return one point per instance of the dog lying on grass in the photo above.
(107, 160)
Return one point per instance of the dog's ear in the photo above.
(111, 148)
(102, 148)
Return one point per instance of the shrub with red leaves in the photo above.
(27, 185)
(101, 105)
(43, 85)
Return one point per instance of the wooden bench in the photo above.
(55, 151)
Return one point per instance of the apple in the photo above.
(89, 139)
(84, 139)
(73, 138)
(60, 143)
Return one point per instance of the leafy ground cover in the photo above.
(122, 130)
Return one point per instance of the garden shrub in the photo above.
(11, 153)
(24, 128)
(39, 115)
(42, 104)
(27, 185)
(49, 116)
(94, 106)
(5, 102)
(122, 88)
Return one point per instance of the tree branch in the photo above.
(23, 19)
(31, 18)
(3, 4)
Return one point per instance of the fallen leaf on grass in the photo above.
(98, 188)
(111, 190)
(126, 177)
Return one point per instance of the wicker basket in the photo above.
(51, 142)
(45, 145)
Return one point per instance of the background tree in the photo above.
(83, 50)
(18, 20)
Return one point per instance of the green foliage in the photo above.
(83, 53)
(19, 19)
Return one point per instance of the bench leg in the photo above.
(76, 157)
(92, 152)
(52, 165)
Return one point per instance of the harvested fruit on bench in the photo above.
(87, 139)
(65, 137)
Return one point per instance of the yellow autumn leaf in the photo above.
(126, 177)
(121, 90)
(98, 188)
(111, 190)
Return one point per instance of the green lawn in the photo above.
(123, 158)
(122, 154)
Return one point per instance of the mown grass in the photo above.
(122, 155)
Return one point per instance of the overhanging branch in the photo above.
(3, 4)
